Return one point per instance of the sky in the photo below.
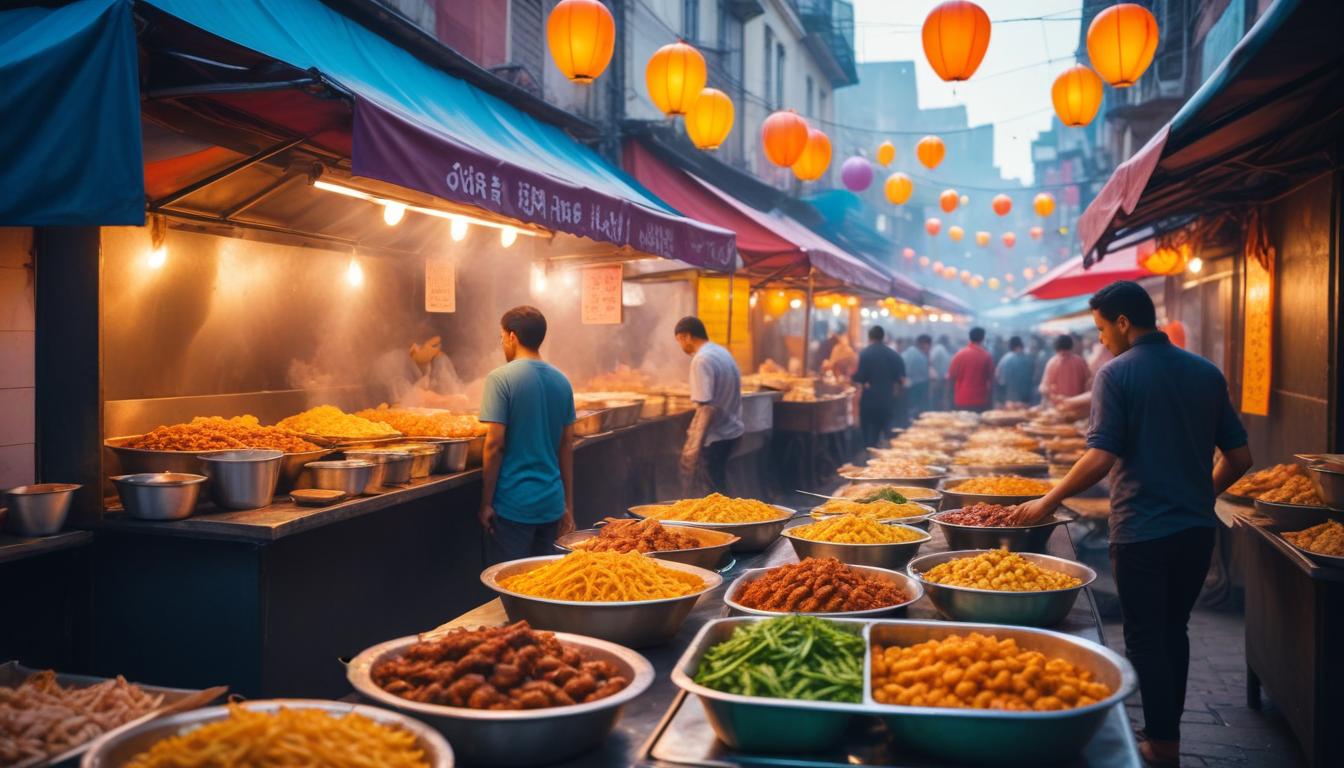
(1012, 86)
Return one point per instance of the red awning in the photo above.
(1071, 279)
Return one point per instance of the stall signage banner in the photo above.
(440, 285)
(1257, 338)
(601, 295)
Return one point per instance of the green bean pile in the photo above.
(792, 657)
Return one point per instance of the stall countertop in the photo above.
(14, 548)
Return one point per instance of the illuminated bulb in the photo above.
(158, 257)
(392, 213)
(458, 229)
(1195, 265)
(865, 313)
(751, 302)
(947, 317)
(836, 310)
(885, 312)
(354, 274)
(795, 303)
(910, 318)
(507, 236)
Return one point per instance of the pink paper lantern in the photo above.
(857, 174)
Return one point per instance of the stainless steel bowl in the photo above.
(589, 423)
(515, 737)
(713, 555)
(121, 747)
(957, 499)
(453, 453)
(918, 521)
(1026, 470)
(1032, 609)
(1293, 517)
(751, 537)
(159, 495)
(390, 467)
(141, 461)
(634, 623)
(350, 476)
(423, 457)
(292, 464)
(980, 736)
(243, 479)
(891, 556)
(924, 482)
(623, 413)
(1026, 538)
(39, 510)
(1329, 485)
(909, 586)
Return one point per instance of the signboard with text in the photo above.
(440, 285)
(601, 296)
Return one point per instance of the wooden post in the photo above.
(807, 318)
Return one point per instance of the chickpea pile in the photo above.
(999, 570)
(980, 672)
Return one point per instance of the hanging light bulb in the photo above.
(885, 312)
(458, 229)
(1196, 264)
(354, 274)
(393, 213)
(837, 310)
(865, 313)
(158, 242)
(507, 236)
(751, 301)
(157, 257)
(795, 303)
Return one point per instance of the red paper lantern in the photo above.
(948, 200)
(908, 253)
(1002, 204)
(932, 226)
(1036, 233)
(1009, 239)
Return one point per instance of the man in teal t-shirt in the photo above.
(527, 495)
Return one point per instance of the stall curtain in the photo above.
(70, 135)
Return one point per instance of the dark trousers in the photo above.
(873, 424)
(510, 540)
(714, 457)
(1158, 581)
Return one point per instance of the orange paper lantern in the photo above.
(1044, 204)
(1027, 273)
(1166, 260)
(1036, 233)
(783, 137)
(993, 283)
(709, 119)
(932, 226)
(1002, 204)
(1121, 41)
(816, 157)
(950, 273)
(898, 188)
(956, 233)
(1009, 239)
(937, 266)
(908, 253)
(965, 274)
(948, 200)
(923, 261)
(886, 152)
(982, 239)
(956, 35)
(675, 76)
(930, 151)
(581, 36)
(1076, 95)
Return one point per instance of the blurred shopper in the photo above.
(527, 486)
(1158, 412)
(716, 390)
(1039, 357)
(940, 358)
(1013, 374)
(1066, 375)
(918, 372)
(843, 361)
(880, 373)
(971, 375)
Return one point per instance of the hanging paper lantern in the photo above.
(937, 266)
(1009, 239)
(956, 35)
(1166, 260)
(908, 253)
(1002, 204)
(993, 283)
(783, 137)
(956, 233)
(977, 281)
(965, 274)
(886, 152)
(1121, 41)
(1041, 270)
(932, 226)
(950, 273)
(581, 36)
(1077, 96)
(709, 119)
(923, 261)
(1036, 233)
(1027, 273)
(982, 238)
(1044, 203)
(898, 188)
(930, 151)
(948, 200)
(675, 76)
(965, 200)
(857, 174)
(1008, 278)
(816, 157)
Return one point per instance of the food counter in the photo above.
(47, 602)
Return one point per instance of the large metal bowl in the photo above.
(242, 479)
(909, 586)
(424, 456)
(389, 467)
(453, 453)
(980, 736)
(956, 499)
(927, 482)
(1025, 538)
(120, 748)
(1041, 469)
(891, 556)
(751, 537)
(39, 510)
(634, 623)
(158, 495)
(1329, 485)
(349, 476)
(1293, 517)
(919, 521)
(515, 737)
(141, 461)
(712, 555)
(1031, 609)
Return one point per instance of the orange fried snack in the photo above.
(819, 585)
(213, 433)
(627, 535)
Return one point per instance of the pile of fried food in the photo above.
(996, 456)
(979, 515)
(1001, 436)
(627, 535)
(714, 508)
(42, 718)
(866, 490)
(1001, 571)
(948, 419)
(510, 667)
(603, 577)
(1282, 483)
(881, 469)
(287, 737)
(855, 529)
(819, 585)
(1003, 485)
(880, 509)
(917, 455)
(1324, 539)
(425, 423)
(979, 671)
(214, 433)
(330, 421)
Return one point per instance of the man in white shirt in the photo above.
(716, 389)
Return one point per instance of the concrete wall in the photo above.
(16, 357)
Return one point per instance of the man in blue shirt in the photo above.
(1158, 412)
(1013, 374)
(917, 369)
(527, 486)
(716, 390)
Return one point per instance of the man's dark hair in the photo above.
(691, 326)
(876, 333)
(977, 335)
(527, 323)
(1015, 342)
(1063, 343)
(1125, 297)
(924, 338)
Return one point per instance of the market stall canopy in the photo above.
(1074, 278)
(1265, 122)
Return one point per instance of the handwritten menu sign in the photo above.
(1257, 338)
(440, 285)
(601, 301)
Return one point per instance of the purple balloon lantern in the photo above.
(857, 174)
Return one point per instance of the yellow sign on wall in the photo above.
(712, 309)
(1257, 362)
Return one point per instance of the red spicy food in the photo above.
(510, 667)
(819, 585)
(980, 515)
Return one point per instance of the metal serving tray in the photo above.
(1041, 469)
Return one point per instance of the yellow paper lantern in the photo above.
(948, 200)
(956, 233)
(1166, 260)
(982, 238)
(1076, 94)
(1121, 41)
(675, 76)
(709, 119)
(1044, 203)
(898, 188)
(581, 36)
(956, 36)
(886, 152)
(930, 151)
(783, 137)
(923, 261)
(816, 157)
(993, 283)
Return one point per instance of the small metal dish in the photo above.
(1329, 483)
(423, 457)
(243, 479)
(713, 553)
(390, 467)
(1033, 609)
(158, 495)
(920, 521)
(453, 453)
(350, 476)
(930, 496)
(887, 556)
(752, 537)
(39, 510)
(1024, 538)
(315, 497)
(912, 588)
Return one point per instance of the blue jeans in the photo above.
(511, 540)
